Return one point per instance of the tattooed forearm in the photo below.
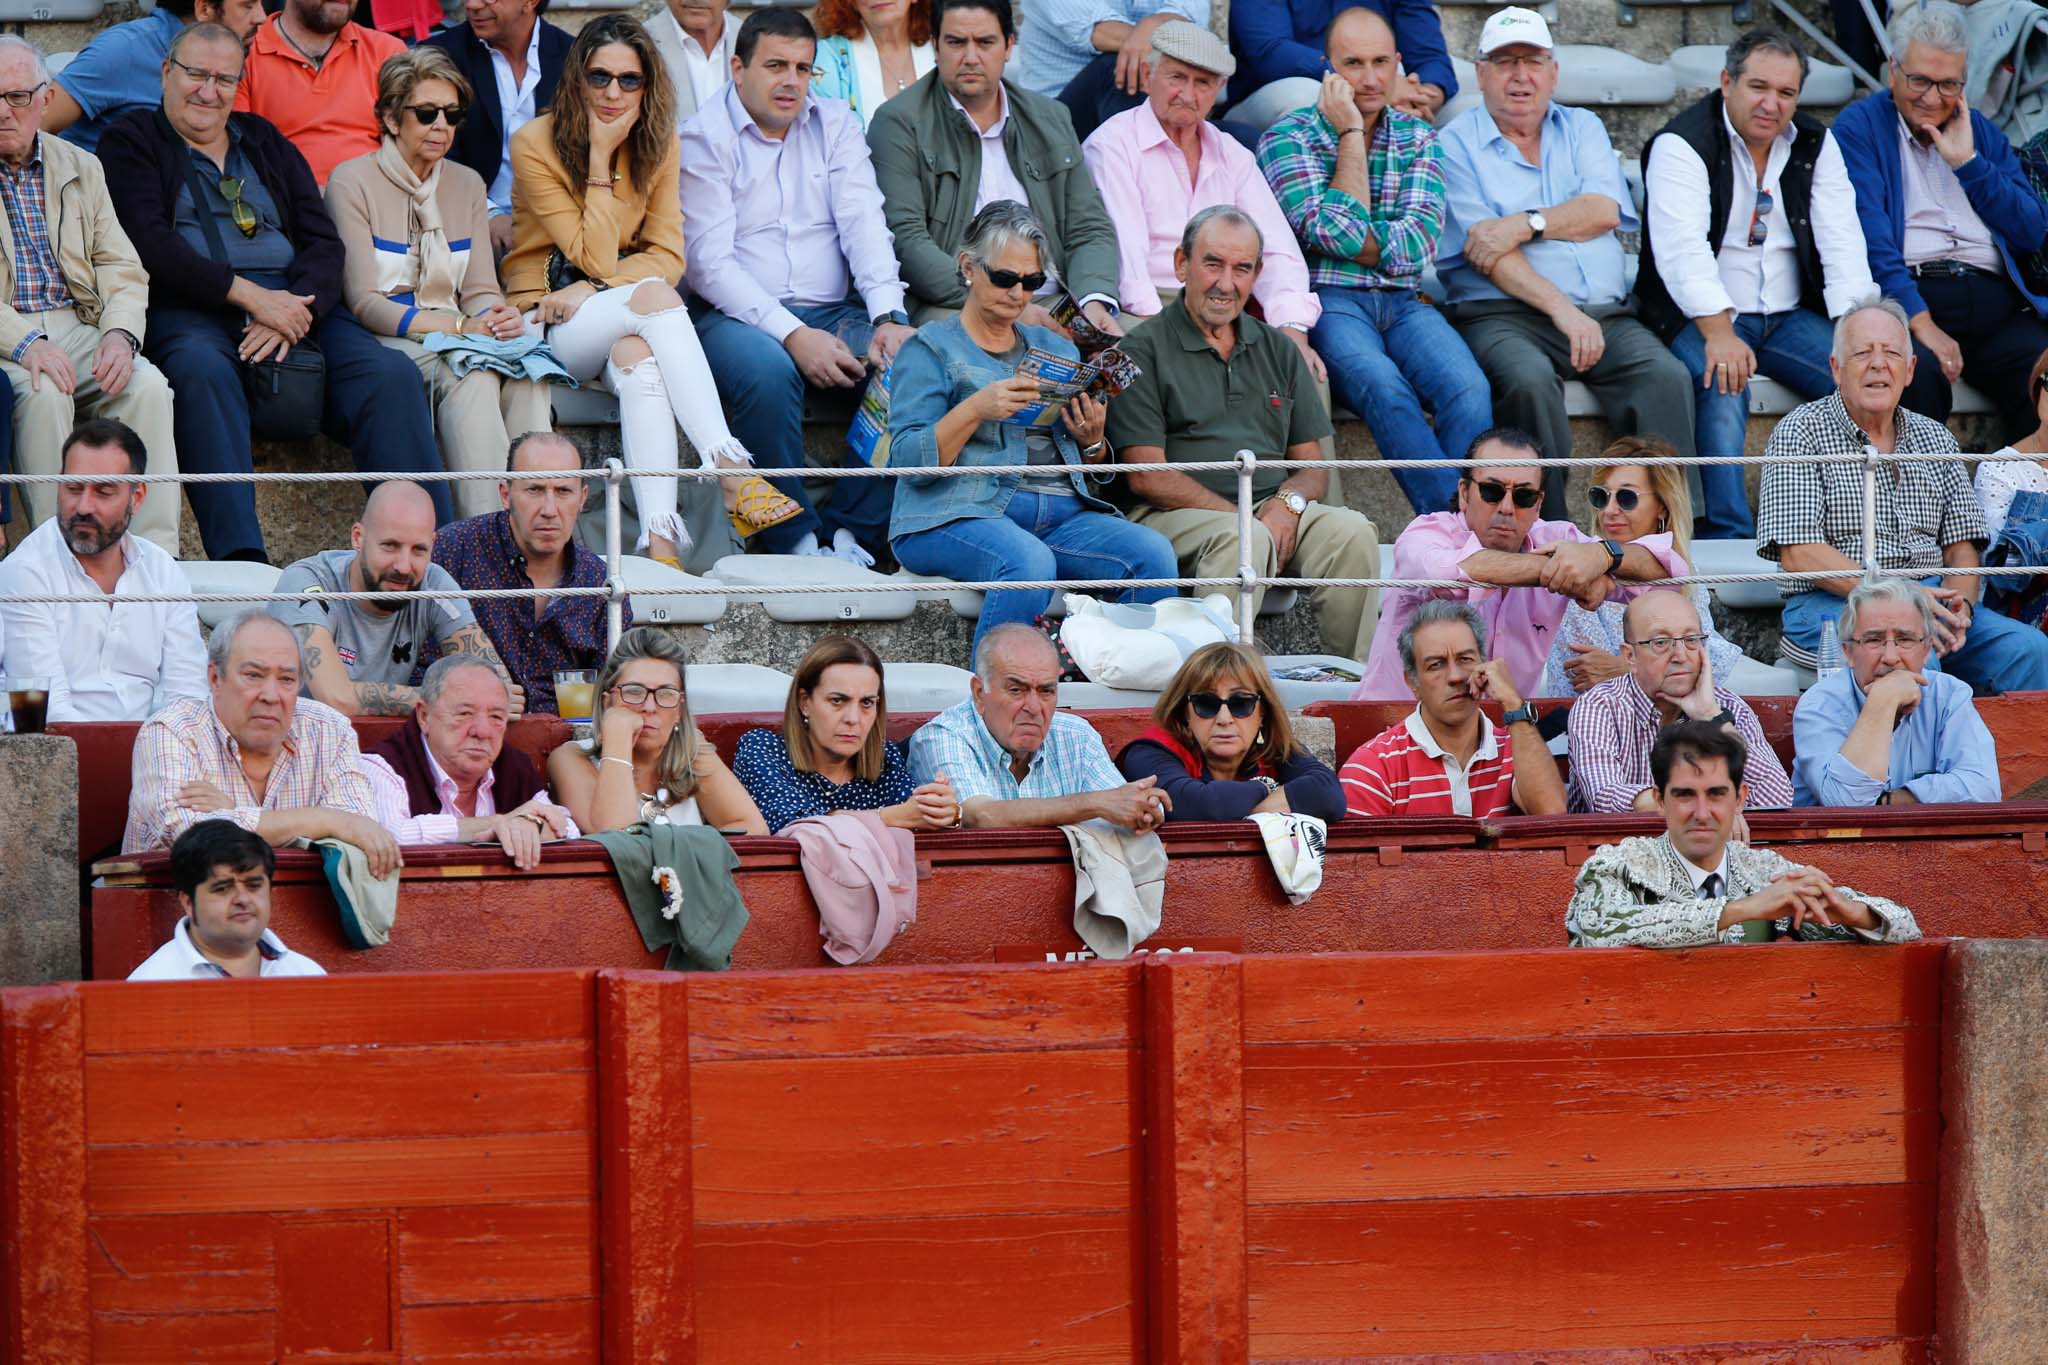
(472, 640)
(385, 699)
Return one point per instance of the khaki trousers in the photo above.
(42, 419)
(1335, 542)
(477, 416)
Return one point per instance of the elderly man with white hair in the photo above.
(74, 301)
(1888, 730)
(1810, 516)
(1948, 216)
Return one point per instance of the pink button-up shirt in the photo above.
(1145, 186)
(1521, 623)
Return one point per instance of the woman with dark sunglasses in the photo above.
(416, 229)
(1222, 747)
(596, 259)
(952, 392)
(1630, 501)
(1999, 481)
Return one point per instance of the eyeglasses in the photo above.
(1760, 221)
(635, 695)
(200, 75)
(1920, 85)
(1491, 491)
(18, 99)
(1880, 639)
(1010, 279)
(1207, 704)
(597, 78)
(1627, 499)
(1531, 62)
(239, 209)
(427, 115)
(1657, 646)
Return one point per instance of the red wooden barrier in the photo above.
(1720, 1155)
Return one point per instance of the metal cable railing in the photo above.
(1246, 585)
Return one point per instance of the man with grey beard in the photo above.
(123, 659)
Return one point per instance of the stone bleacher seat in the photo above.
(588, 406)
(759, 570)
(718, 688)
(227, 576)
(651, 591)
(922, 686)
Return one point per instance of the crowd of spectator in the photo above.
(222, 227)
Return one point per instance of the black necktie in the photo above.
(1711, 887)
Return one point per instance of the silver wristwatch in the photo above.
(1538, 224)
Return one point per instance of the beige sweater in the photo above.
(375, 218)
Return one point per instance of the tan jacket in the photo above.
(98, 262)
(615, 237)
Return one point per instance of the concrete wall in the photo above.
(39, 860)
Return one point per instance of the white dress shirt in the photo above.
(695, 73)
(1738, 276)
(115, 662)
(1941, 224)
(783, 222)
(998, 181)
(1700, 874)
(394, 803)
(515, 104)
(181, 960)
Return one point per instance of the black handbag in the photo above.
(561, 274)
(287, 392)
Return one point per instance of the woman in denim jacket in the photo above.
(949, 391)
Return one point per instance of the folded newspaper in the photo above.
(1105, 374)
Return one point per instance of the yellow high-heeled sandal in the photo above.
(758, 504)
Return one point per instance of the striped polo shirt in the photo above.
(1404, 771)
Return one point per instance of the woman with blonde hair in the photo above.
(834, 753)
(1631, 502)
(417, 232)
(869, 51)
(1222, 747)
(646, 761)
(597, 254)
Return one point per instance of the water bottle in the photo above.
(1829, 657)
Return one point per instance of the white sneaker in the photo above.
(847, 548)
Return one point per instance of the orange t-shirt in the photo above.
(329, 113)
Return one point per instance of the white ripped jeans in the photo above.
(673, 386)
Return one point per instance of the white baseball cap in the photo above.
(1514, 26)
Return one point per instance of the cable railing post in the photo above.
(614, 558)
(1247, 575)
(1869, 509)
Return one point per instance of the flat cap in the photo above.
(1195, 45)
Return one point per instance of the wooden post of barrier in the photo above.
(42, 1177)
(648, 1216)
(1194, 1161)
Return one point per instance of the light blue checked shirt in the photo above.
(956, 741)
(1053, 42)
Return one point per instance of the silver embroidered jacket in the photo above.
(1637, 893)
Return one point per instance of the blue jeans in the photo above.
(374, 403)
(1791, 348)
(763, 393)
(1998, 655)
(1389, 354)
(1039, 536)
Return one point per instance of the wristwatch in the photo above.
(1726, 717)
(1525, 714)
(1294, 502)
(1614, 547)
(897, 316)
(1537, 224)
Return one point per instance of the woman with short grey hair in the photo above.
(956, 397)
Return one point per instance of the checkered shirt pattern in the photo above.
(1613, 728)
(38, 284)
(1405, 217)
(957, 743)
(320, 765)
(1922, 507)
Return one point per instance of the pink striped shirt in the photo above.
(1404, 771)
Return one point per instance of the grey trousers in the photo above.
(1643, 388)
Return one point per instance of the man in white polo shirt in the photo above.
(222, 875)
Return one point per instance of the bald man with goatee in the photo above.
(364, 658)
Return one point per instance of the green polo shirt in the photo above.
(1198, 406)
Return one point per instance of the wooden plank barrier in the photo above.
(1724, 1155)
(1976, 871)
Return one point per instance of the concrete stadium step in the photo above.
(227, 576)
(653, 593)
(758, 570)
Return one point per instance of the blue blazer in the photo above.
(1868, 133)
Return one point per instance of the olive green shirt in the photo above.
(1196, 405)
